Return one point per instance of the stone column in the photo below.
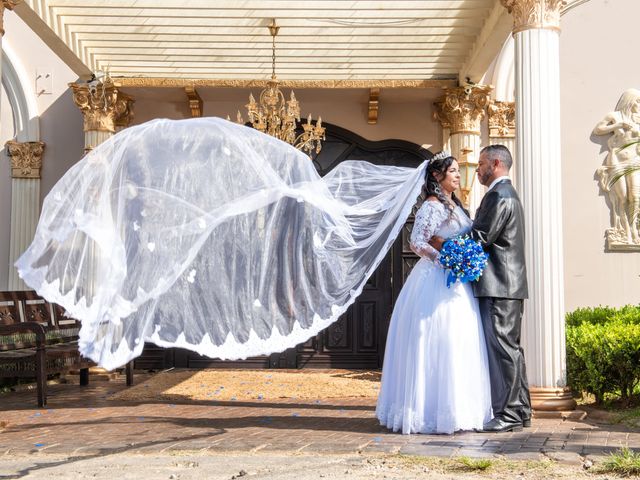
(104, 109)
(536, 33)
(502, 130)
(25, 186)
(26, 162)
(461, 111)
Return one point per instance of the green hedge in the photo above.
(603, 350)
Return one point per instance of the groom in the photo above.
(501, 290)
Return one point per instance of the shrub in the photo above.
(603, 350)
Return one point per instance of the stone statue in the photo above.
(617, 176)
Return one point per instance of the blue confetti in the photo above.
(38, 444)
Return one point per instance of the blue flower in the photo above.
(464, 259)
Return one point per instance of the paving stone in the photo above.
(567, 458)
(477, 452)
(524, 456)
(429, 451)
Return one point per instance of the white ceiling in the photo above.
(229, 39)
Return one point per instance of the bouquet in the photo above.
(464, 258)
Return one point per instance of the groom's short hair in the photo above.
(499, 152)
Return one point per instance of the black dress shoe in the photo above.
(498, 425)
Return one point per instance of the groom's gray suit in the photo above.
(501, 290)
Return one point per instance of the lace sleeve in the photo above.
(428, 221)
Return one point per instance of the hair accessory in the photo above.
(441, 155)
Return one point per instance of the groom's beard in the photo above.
(484, 178)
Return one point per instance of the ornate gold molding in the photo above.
(8, 5)
(222, 83)
(374, 105)
(502, 119)
(195, 102)
(124, 110)
(101, 105)
(26, 158)
(463, 108)
(538, 14)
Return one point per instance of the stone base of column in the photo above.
(549, 399)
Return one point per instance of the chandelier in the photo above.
(277, 117)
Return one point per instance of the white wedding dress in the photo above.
(435, 376)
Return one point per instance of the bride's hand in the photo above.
(436, 242)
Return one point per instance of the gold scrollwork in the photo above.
(502, 119)
(195, 101)
(124, 110)
(26, 158)
(463, 108)
(534, 14)
(232, 83)
(98, 104)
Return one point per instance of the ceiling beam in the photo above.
(495, 32)
(53, 41)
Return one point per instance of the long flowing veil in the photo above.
(210, 236)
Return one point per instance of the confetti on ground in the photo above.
(245, 385)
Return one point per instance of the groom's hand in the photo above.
(436, 242)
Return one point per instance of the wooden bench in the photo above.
(37, 339)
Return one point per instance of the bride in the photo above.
(435, 375)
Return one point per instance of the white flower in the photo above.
(192, 276)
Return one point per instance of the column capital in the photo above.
(6, 5)
(101, 104)
(534, 14)
(502, 119)
(26, 158)
(124, 110)
(463, 108)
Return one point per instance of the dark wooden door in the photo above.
(358, 338)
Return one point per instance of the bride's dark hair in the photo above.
(439, 165)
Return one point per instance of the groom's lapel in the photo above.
(479, 209)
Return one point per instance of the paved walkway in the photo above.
(82, 421)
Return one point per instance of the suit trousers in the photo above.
(501, 321)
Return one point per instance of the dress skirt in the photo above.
(435, 376)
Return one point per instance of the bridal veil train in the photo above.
(210, 236)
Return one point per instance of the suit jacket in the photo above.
(499, 227)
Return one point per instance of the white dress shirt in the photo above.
(498, 180)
